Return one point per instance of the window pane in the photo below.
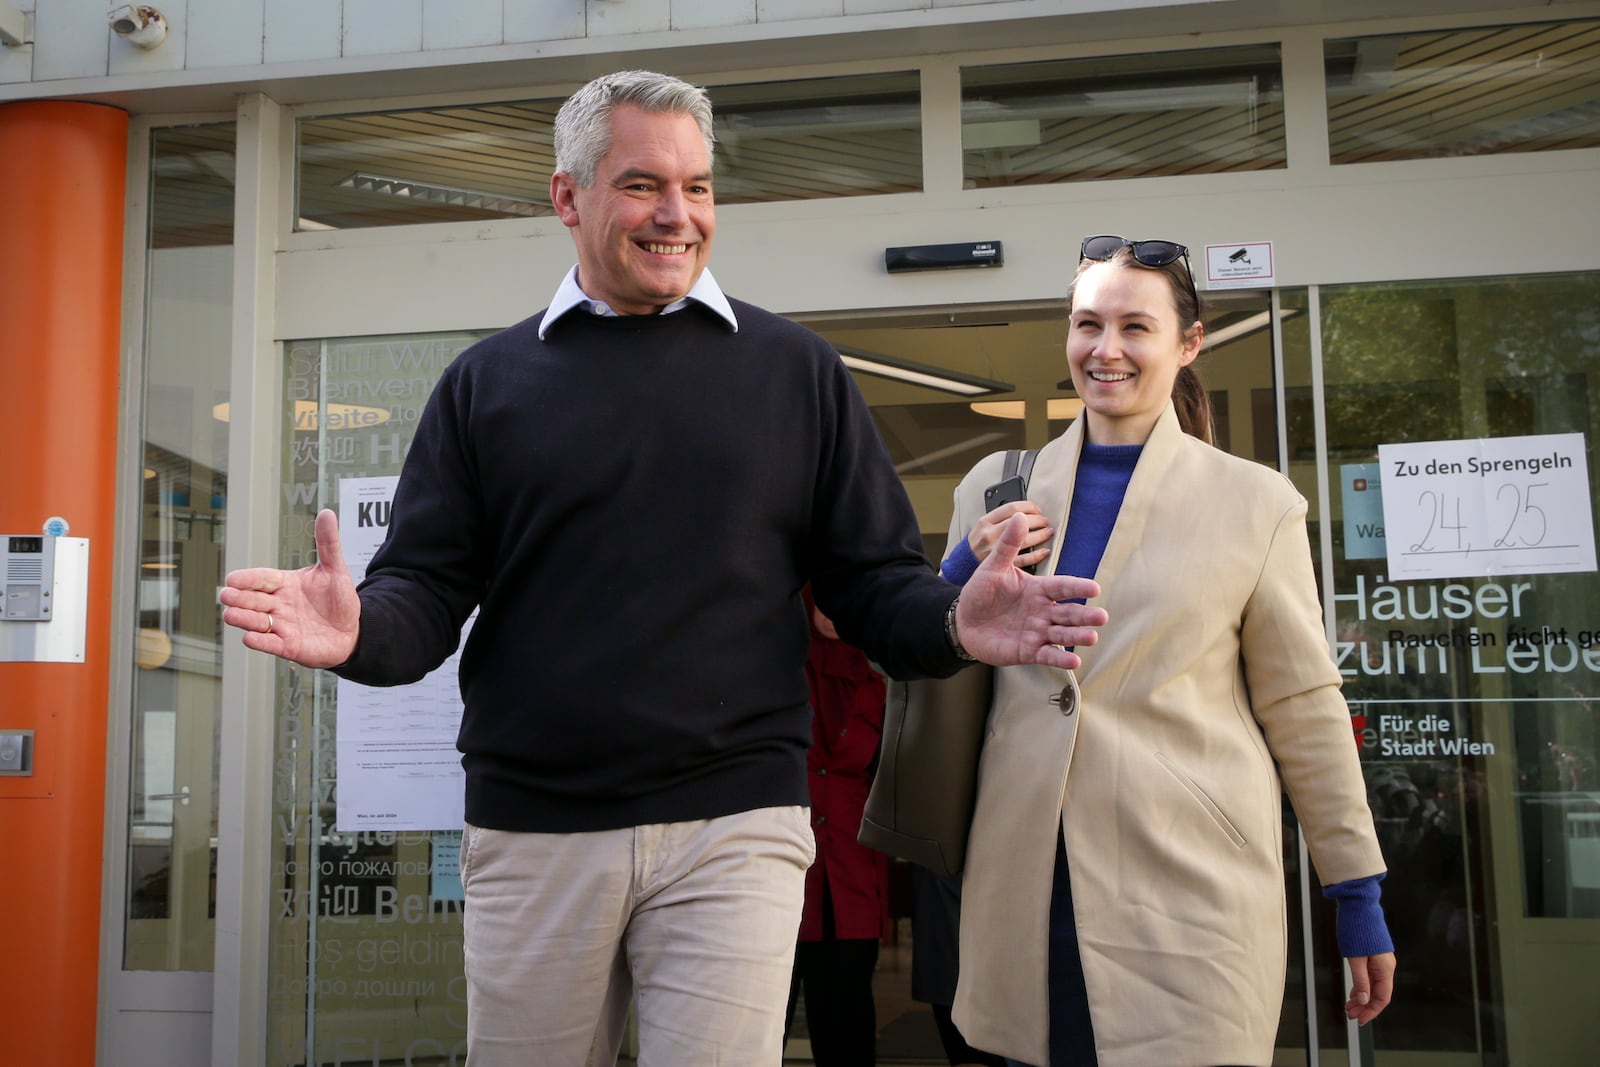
(191, 189)
(1199, 112)
(792, 140)
(452, 164)
(172, 806)
(1529, 88)
(823, 137)
(1471, 697)
(366, 950)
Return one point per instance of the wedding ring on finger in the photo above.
(268, 630)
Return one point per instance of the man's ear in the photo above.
(564, 198)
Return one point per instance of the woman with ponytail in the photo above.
(1123, 902)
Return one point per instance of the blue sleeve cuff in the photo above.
(1359, 920)
(959, 564)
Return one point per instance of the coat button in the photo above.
(822, 771)
(1066, 700)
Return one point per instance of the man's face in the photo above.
(643, 229)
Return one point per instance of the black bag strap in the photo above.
(1019, 461)
(1026, 467)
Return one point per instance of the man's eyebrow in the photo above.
(634, 173)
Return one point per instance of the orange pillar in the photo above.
(62, 182)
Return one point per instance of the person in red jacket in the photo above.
(847, 888)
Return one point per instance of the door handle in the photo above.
(181, 796)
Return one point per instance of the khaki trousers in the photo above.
(693, 922)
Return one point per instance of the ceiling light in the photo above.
(902, 370)
(155, 648)
(444, 194)
(1057, 408)
(308, 415)
(1018, 133)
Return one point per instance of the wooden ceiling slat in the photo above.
(821, 154)
(1192, 141)
(1458, 120)
(1456, 88)
(825, 166)
(1421, 57)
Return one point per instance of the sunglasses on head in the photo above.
(1150, 253)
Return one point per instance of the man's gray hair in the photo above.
(583, 125)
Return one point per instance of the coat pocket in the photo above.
(1204, 799)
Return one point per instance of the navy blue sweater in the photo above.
(634, 504)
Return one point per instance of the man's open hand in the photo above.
(1007, 616)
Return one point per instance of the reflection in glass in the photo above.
(945, 438)
(171, 890)
(449, 164)
(858, 135)
(792, 140)
(1198, 112)
(365, 941)
(1471, 92)
(1480, 772)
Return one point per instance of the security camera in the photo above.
(141, 24)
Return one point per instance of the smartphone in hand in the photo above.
(1006, 491)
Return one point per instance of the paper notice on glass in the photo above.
(396, 746)
(1487, 506)
(444, 882)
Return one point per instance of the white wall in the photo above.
(230, 40)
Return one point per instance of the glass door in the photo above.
(171, 830)
(1473, 685)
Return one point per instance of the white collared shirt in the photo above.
(570, 295)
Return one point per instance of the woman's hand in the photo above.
(1035, 545)
(1371, 986)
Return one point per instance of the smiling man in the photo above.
(641, 214)
(632, 487)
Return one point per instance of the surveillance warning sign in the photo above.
(1247, 265)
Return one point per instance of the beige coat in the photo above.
(1209, 691)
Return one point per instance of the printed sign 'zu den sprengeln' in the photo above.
(1487, 506)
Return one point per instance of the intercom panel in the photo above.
(45, 598)
(29, 575)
